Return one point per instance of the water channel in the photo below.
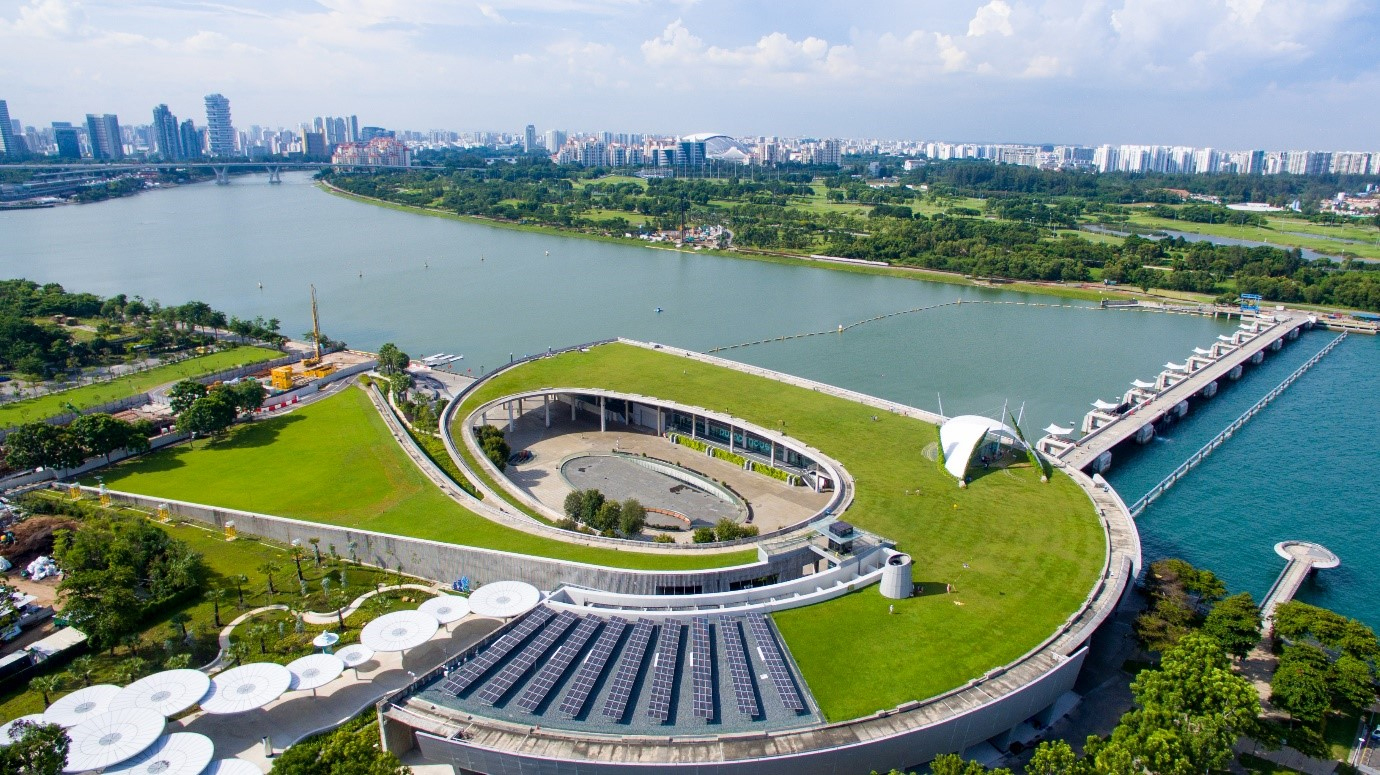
(437, 285)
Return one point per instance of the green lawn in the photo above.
(34, 409)
(1033, 550)
(1277, 234)
(335, 462)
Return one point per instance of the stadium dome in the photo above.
(720, 147)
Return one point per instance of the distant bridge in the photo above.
(221, 168)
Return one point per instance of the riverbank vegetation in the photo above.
(975, 219)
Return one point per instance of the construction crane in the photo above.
(315, 332)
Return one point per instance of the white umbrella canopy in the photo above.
(446, 608)
(169, 692)
(399, 631)
(355, 655)
(181, 753)
(112, 737)
(246, 687)
(232, 767)
(314, 670)
(504, 599)
(325, 640)
(80, 705)
(8, 727)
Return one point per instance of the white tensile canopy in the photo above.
(246, 687)
(232, 767)
(504, 599)
(446, 608)
(169, 692)
(1142, 384)
(181, 753)
(355, 655)
(7, 727)
(1176, 366)
(399, 631)
(113, 737)
(959, 437)
(80, 705)
(1058, 430)
(314, 670)
(1201, 351)
(1104, 406)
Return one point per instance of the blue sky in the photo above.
(1224, 73)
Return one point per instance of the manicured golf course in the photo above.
(1032, 551)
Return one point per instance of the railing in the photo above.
(1197, 457)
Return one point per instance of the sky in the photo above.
(1233, 74)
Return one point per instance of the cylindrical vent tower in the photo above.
(896, 581)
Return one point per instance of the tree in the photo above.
(494, 445)
(1055, 757)
(316, 549)
(1352, 682)
(35, 749)
(1300, 685)
(83, 667)
(268, 569)
(1235, 623)
(1178, 592)
(216, 595)
(260, 632)
(182, 395)
(392, 361)
(179, 620)
(100, 434)
(575, 505)
(351, 750)
(209, 415)
(246, 395)
(607, 517)
(952, 764)
(39, 444)
(46, 685)
(297, 553)
(703, 535)
(632, 517)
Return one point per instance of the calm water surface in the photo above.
(434, 285)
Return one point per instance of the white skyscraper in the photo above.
(219, 131)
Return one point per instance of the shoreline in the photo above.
(787, 259)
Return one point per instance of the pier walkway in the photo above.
(1303, 557)
(1083, 453)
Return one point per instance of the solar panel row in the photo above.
(664, 676)
(555, 667)
(731, 635)
(776, 663)
(702, 668)
(475, 669)
(593, 667)
(518, 666)
(628, 668)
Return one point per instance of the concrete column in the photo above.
(510, 417)
(602, 416)
(692, 425)
(572, 406)
(660, 422)
(730, 438)
(773, 451)
(546, 401)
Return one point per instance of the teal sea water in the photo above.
(1304, 468)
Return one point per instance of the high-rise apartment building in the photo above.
(167, 140)
(103, 132)
(529, 139)
(191, 140)
(67, 140)
(7, 133)
(220, 133)
(555, 138)
(830, 153)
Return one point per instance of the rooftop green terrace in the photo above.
(1021, 555)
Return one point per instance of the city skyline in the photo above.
(1171, 73)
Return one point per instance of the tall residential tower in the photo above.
(7, 140)
(166, 139)
(220, 133)
(104, 134)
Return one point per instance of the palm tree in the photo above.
(268, 569)
(297, 553)
(260, 632)
(217, 596)
(316, 549)
(338, 600)
(46, 684)
(83, 667)
(180, 620)
(240, 581)
(238, 652)
(178, 661)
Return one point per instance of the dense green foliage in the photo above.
(353, 749)
(494, 445)
(1009, 238)
(34, 749)
(1180, 596)
(1300, 621)
(55, 446)
(118, 571)
(1235, 623)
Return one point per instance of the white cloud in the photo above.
(993, 17)
(44, 18)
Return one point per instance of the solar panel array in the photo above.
(628, 668)
(555, 667)
(731, 635)
(702, 667)
(664, 675)
(593, 667)
(518, 666)
(475, 669)
(776, 664)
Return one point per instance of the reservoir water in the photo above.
(1300, 470)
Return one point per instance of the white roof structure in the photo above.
(80, 705)
(110, 738)
(1201, 351)
(325, 640)
(314, 670)
(1142, 384)
(1104, 406)
(959, 437)
(1176, 366)
(504, 599)
(446, 608)
(232, 767)
(1058, 430)
(399, 631)
(246, 687)
(169, 692)
(355, 655)
(5, 739)
(181, 753)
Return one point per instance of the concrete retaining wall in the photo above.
(447, 562)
